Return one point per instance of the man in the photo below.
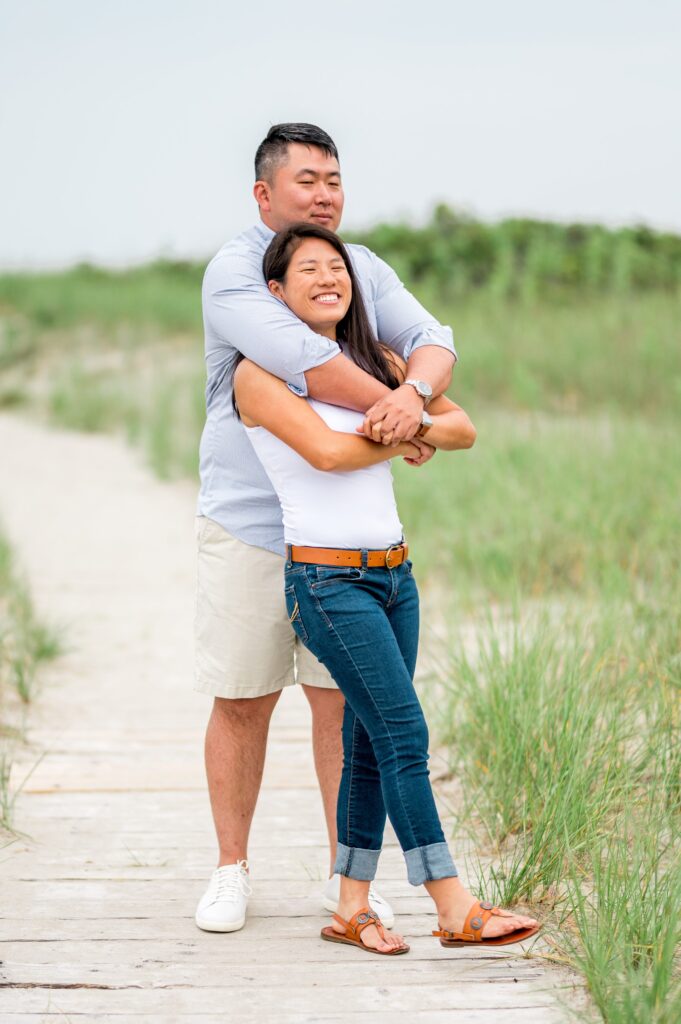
(245, 645)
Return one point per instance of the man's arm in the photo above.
(241, 310)
(410, 331)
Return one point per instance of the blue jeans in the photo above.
(363, 624)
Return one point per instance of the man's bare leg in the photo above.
(327, 744)
(236, 740)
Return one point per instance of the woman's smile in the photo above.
(317, 286)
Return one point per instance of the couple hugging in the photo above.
(321, 368)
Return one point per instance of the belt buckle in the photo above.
(393, 547)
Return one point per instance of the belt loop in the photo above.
(365, 558)
(289, 561)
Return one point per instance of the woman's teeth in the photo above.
(331, 297)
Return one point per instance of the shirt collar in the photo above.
(267, 234)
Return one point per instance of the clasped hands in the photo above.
(395, 419)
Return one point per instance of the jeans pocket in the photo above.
(293, 610)
(323, 575)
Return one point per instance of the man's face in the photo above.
(305, 188)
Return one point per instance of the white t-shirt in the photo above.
(330, 509)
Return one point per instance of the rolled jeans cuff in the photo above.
(428, 863)
(356, 863)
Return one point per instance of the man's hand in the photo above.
(395, 417)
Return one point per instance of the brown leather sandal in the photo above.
(477, 918)
(354, 928)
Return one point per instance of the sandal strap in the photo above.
(359, 921)
(476, 919)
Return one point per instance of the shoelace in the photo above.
(373, 895)
(231, 880)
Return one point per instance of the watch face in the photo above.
(421, 387)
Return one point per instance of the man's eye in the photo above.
(306, 182)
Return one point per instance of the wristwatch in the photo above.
(426, 424)
(422, 388)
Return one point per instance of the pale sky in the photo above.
(128, 129)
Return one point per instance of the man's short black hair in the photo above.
(273, 150)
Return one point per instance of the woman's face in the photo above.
(317, 286)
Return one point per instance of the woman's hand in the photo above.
(415, 452)
(421, 451)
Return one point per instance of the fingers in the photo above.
(426, 451)
(399, 413)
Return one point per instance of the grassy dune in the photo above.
(560, 708)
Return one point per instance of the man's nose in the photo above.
(323, 195)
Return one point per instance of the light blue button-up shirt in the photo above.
(241, 315)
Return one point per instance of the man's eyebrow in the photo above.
(315, 174)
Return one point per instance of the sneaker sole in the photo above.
(386, 920)
(214, 926)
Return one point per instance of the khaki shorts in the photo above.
(245, 644)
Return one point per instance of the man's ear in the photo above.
(276, 289)
(261, 193)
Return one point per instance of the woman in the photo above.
(352, 599)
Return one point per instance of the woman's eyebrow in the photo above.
(310, 259)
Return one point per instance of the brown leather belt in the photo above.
(386, 558)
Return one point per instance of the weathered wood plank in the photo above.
(262, 926)
(158, 973)
(208, 946)
(515, 1015)
(287, 999)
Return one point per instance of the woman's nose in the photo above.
(326, 276)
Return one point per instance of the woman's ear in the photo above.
(276, 289)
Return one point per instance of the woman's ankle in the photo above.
(448, 894)
(354, 894)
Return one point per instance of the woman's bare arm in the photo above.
(266, 401)
(452, 430)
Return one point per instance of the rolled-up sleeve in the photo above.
(240, 311)
(402, 322)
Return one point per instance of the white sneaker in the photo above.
(377, 903)
(222, 908)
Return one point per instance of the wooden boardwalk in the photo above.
(98, 897)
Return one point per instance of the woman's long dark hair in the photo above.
(354, 329)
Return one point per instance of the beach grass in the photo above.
(563, 727)
(26, 642)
